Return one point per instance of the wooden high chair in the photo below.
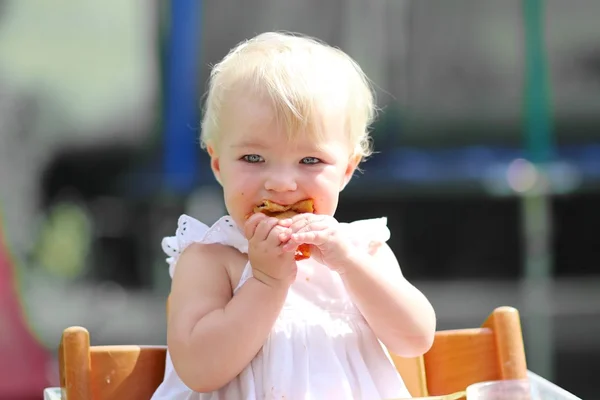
(459, 358)
(107, 372)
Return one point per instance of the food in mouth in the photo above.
(280, 211)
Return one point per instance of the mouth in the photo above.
(273, 209)
(283, 211)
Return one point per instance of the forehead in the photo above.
(251, 120)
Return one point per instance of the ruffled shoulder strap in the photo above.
(190, 230)
(368, 233)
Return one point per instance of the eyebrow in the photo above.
(253, 144)
(308, 147)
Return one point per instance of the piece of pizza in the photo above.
(279, 211)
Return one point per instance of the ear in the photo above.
(214, 163)
(350, 168)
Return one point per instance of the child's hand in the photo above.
(270, 263)
(329, 245)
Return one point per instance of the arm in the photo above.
(399, 314)
(211, 335)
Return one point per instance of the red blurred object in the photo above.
(23, 360)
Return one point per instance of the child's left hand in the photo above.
(329, 245)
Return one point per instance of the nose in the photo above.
(280, 180)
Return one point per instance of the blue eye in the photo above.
(252, 158)
(310, 160)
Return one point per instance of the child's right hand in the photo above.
(270, 264)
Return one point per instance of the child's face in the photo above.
(255, 160)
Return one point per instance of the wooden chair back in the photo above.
(107, 372)
(459, 358)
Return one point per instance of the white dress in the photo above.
(320, 347)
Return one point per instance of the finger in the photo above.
(316, 238)
(252, 223)
(299, 217)
(302, 219)
(285, 222)
(285, 235)
(296, 219)
(264, 228)
(310, 224)
(276, 235)
(299, 224)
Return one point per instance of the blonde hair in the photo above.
(302, 78)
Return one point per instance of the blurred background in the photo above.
(488, 164)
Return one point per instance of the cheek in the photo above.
(325, 191)
(239, 188)
(236, 205)
(326, 205)
(329, 179)
(237, 177)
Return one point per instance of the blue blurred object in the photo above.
(181, 116)
(471, 164)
